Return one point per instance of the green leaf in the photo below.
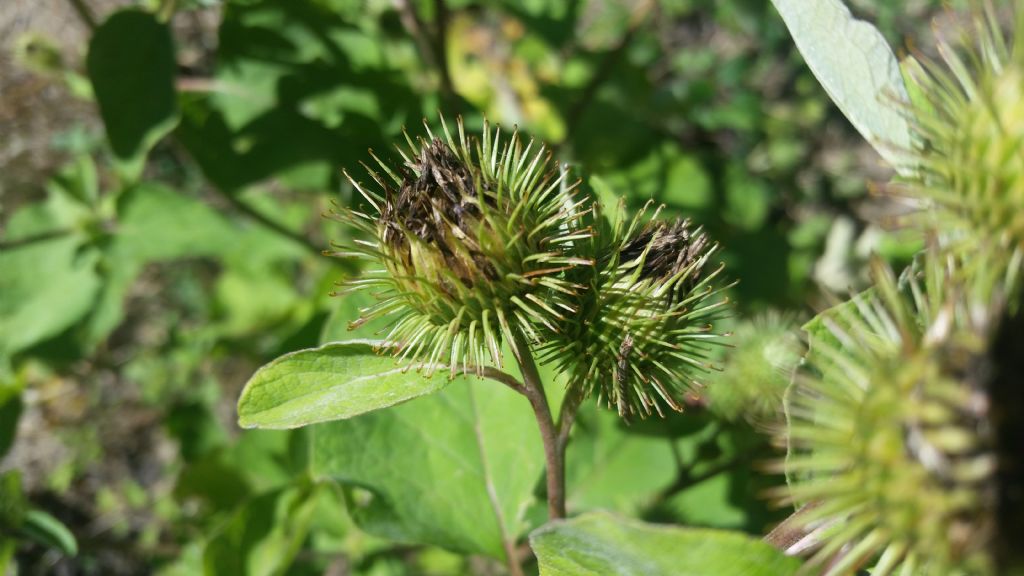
(254, 302)
(13, 506)
(270, 459)
(713, 502)
(599, 543)
(456, 469)
(7, 548)
(747, 199)
(45, 288)
(132, 68)
(335, 381)
(821, 335)
(10, 411)
(667, 174)
(720, 486)
(613, 206)
(188, 562)
(78, 180)
(263, 537)
(821, 329)
(857, 68)
(150, 229)
(611, 468)
(49, 531)
(314, 96)
(150, 226)
(345, 312)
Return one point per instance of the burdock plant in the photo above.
(475, 247)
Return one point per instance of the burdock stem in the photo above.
(550, 434)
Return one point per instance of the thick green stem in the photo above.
(554, 454)
(566, 418)
(554, 435)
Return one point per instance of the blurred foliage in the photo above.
(143, 282)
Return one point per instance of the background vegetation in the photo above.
(165, 168)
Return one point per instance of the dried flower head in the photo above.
(644, 330)
(664, 250)
(470, 241)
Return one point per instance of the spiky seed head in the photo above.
(643, 335)
(469, 241)
(757, 369)
(969, 121)
(888, 432)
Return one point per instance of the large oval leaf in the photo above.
(131, 65)
(456, 469)
(610, 468)
(857, 68)
(601, 544)
(36, 302)
(332, 382)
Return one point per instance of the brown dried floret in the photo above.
(671, 248)
(439, 202)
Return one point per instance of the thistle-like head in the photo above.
(469, 242)
(969, 123)
(643, 335)
(889, 435)
(757, 369)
